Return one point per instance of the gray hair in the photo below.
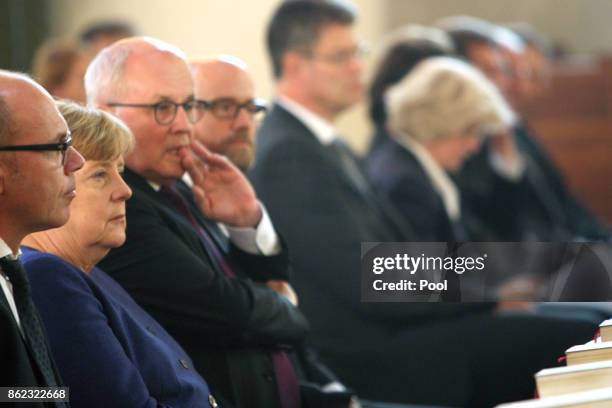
(443, 96)
(104, 75)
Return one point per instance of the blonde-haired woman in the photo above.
(109, 351)
(437, 115)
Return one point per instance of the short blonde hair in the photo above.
(96, 134)
(443, 96)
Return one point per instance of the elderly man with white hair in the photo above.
(226, 300)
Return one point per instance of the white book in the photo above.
(575, 378)
(600, 398)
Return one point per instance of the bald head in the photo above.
(222, 76)
(225, 81)
(21, 99)
(105, 80)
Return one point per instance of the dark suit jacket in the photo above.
(17, 368)
(397, 172)
(324, 219)
(542, 208)
(111, 352)
(400, 352)
(227, 326)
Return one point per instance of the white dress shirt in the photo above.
(324, 131)
(7, 288)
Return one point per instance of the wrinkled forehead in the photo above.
(156, 74)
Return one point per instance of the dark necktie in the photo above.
(377, 202)
(349, 164)
(30, 321)
(179, 202)
(286, 379)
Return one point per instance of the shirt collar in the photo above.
(442, 183)
(154, 185)
(324, 131)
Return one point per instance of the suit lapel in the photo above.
(211, 227)
(328, 153)
(377, 202)
(187, 231)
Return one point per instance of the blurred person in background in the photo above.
(538, 54)
(59, 66)
(436, 117)
(325, 207)
(546, 209)
(399, 53)
(100, 34)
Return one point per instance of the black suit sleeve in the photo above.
(169, 274)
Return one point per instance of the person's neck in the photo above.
(54, 242)
(293, 93)
(11, 237)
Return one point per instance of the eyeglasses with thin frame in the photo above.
(165, 111)
(341, 57)
(228, 108)
(62, 147)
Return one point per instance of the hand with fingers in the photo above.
(220, 190)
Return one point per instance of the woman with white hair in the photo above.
(437, 115)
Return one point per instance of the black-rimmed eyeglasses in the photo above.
(228, 109)
(61, 147)
(165, 111)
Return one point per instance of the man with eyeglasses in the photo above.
(226, 301)
(36, 188)
(226, 91)
(225, 83)
(319, 197)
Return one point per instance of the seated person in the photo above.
(109, 351)
(436, 116)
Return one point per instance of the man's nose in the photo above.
(74, 161)
(181, 122)
(243, 119)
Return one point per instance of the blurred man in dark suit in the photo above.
(545, 208)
